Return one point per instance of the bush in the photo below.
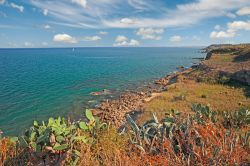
(236, 119)
(200, 138)
(53, 142)
(190, 139)
(8, 150)
(223, 79)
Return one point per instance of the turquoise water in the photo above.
(39, 83)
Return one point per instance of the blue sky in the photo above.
(107, 23)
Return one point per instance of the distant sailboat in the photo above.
(73, 49)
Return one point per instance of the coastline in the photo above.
(193, 104)
(66, 92)
(113, 111)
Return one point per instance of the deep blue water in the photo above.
(39, 83)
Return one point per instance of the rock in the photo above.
(142, 93)
(242, 76)
(181, 68)
(209, 55)
(114, 111)
(102, 92)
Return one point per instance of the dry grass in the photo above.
(214, 136)
(207, 144)
(219, 58)
(180, 97)
(10, 154)
(226, 63)
(110, 148)
(7, 150)
(230, 62)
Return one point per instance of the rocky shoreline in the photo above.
(114, 111)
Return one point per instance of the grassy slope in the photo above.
(180, 97)
(207, 91)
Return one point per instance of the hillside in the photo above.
(229, 61)
(197, 116)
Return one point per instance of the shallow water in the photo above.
(39, 83)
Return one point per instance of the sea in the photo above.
(38, 83)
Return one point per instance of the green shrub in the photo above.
(195, 139)
(223, 79)
(59, 138)
(187, 139)
(204, 114)
(236, 119)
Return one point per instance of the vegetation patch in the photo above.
(193, 139)
(219, 97)
(203, 137)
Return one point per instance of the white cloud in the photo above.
(92, 38)
(114, 13)
(243, 11)
(141, 4)
(65, 13)
(232, 28)
(65, 38)
(134, 42)
(82, 3)
(28, 44)
(73, 25)
(124, 41)
(230, 15)
(121, 38)
(222, 34)
(127, 21)
(239, 25)
(150, 33)
(175, 39)
(45, 12)
(2, 2)
(217, 27)
(47, 26)
(103, 33)
(18, 7)
(185, 14)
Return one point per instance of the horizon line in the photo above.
(102, 47)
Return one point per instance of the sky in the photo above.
(123, 23)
